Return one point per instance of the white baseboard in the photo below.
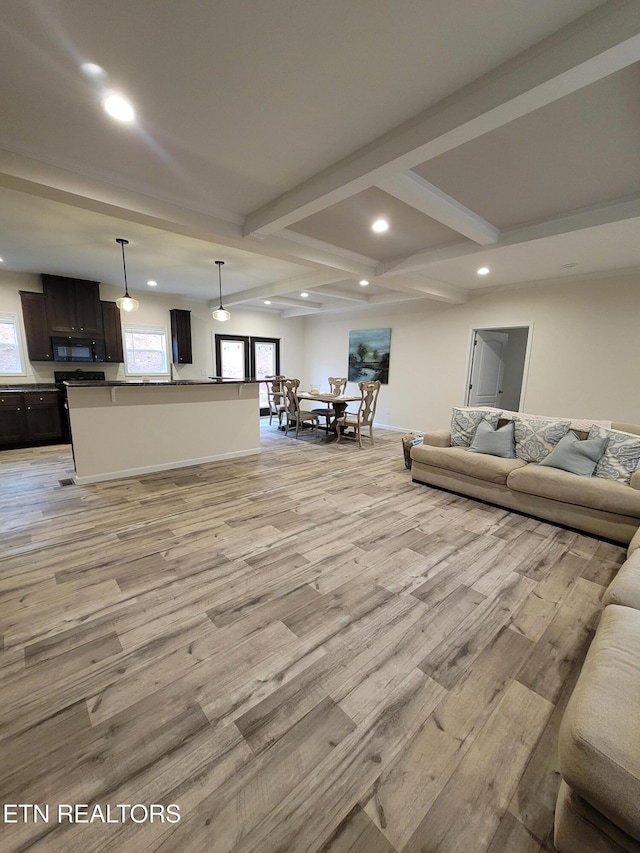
(390, 428)
(152, 469)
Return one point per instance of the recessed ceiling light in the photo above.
(380, 225)
(267, 302)
(304, 294)
(119, 108)
(364, 282)
(484, 271)
(1, 260)
(152, 283)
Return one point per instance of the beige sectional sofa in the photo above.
(598, 806)
(607, 508)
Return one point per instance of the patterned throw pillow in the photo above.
(465, 421)
(536, 436)
(621, 456)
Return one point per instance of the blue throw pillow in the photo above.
(577, 457)
(494, 442)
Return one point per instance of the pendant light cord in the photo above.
(124, 264)
(220, 263)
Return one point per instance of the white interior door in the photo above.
(487, 370)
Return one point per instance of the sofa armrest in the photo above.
(438, 438)
(635, 479)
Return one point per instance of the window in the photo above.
(145, 350)
(10, 348)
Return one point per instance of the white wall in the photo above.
(585, 356)
(584, 362)
(154, 311)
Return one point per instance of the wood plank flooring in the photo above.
(303, 650)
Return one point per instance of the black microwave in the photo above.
(78, 349)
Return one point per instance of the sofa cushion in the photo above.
(464, 422)
(599, 738)
(621, 456)
(625, 587)
(604, 495)
(536, 436)
(494, 441)
(577, 457)
(493, 469)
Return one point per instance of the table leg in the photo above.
(339, 409)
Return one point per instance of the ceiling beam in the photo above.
(300, 312)
(575, 220)
(423, 287)
(339, 294)
(600, 43)
(413, 190)
(286, 285)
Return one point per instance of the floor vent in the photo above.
(66, 482)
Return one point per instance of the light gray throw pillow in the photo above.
(465, 421)
(577, 457)
(494, 442)
(621, 457)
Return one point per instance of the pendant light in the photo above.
(220, 313)
(126, 302)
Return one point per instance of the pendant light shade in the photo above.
(221, 314)
(126, 302)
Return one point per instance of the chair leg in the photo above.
(359, 436)
(297, 426)
(371, 434)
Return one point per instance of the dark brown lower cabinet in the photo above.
(12, 422)
(30, 418)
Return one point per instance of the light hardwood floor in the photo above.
(304, 650)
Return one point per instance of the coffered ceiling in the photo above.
(271, 135)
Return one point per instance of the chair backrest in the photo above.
(369, 401)
(290, 388)
(337, 384)
(274, 388)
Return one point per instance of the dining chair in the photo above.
(366, 411)
(294, 414)
(337, 386)
(275, 396)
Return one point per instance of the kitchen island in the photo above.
(124, 429)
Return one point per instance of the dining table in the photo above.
(338, 402)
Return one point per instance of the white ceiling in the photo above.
(270, 135)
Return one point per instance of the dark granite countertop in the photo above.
(106, 383)
(26, 388)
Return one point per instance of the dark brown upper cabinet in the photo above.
(181, 336)
(112, 332)
(36, 326)
(73, 305)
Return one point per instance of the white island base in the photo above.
(124, 430)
